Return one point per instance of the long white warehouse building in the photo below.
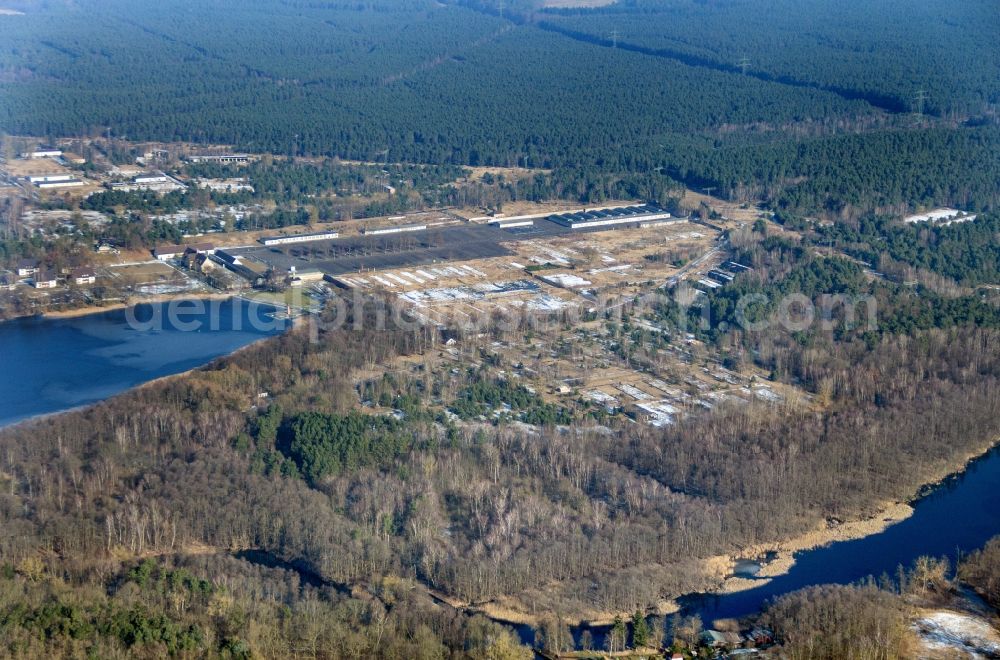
(300, 238)
(393, 230)
(511, 224)
(67, 183)
(50, 178)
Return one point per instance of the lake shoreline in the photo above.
(117, 349)
(187, 372)
(888, 514)
(510, 611)
(784, 552)
(87, 310)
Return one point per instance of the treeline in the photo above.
(846, 176)
(818, 44)
(468, 89)
(981, 570)
(217, 606)
(875, 618)
(503, 97)
(288, 184)
(285, 182)
(484, 397)
(834, 621)
(966, 252)
(323, 445)
(832, 297)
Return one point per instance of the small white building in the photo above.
(512, 224)
(45, 280)
(44, 181)
(157, 182)
(43, 152)
(83, 275)
(169, 252)
(565, 280)
(8, 281)
(150, 178)
(27, 267)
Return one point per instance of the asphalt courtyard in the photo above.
(408, 249)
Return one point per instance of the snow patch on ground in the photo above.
(958, 635)
(166, 289)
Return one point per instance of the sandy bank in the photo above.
(824, 534)
(512, 611)
(888, 514)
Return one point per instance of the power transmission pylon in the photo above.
(744, 64)
(614, 38)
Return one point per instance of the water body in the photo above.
(956, 517)
(746, 568)
(51, 365)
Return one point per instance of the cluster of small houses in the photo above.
(37, 275)
(732, 644)
(721, 276)
(720, 645)
(736, 645)
(202, 258)
(156, 181)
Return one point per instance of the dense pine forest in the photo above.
(856, 49)
(460, 84)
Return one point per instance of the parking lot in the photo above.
(434, 245)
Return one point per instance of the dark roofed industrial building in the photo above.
(611, 217)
